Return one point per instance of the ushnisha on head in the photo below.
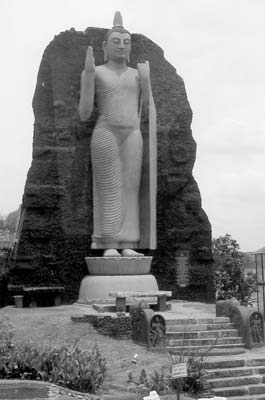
(117, 43)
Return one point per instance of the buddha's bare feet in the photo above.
(111, 253)
(131, 253)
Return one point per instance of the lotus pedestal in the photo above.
(108, 274)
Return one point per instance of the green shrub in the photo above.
(230, 278)
(6, 336)
(71, 367)
(195, 383)
(160, 382)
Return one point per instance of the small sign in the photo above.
(182, 265)
(179, 371)
(152, 396)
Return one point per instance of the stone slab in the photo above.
(141, 294)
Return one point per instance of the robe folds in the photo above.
(123, 164)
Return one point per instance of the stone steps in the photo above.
(215, 336)
(237, 378)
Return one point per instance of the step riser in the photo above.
(204, 342)
(200, 327)
(214, 353)
(233, 363)
(239, 381)
(248, 397)
(240, 391)
(189, 321)
(228, 373)
(208, 365)
(229, 392)
(257, 390)
(256, 362)
(218, 346)
(202, 334)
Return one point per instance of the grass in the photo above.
(53, 326)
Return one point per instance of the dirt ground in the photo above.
(53, 326)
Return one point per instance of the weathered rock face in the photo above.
(56, 221)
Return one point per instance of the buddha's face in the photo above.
(118, 46)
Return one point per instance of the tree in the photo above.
(11, 221)
(230, 279)
(2, 222)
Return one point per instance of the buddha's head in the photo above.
(117, 43)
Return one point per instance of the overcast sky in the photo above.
(217, 46)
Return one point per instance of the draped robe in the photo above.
(117, 158)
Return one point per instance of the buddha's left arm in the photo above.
(145, 86)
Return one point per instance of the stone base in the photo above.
(97, 288)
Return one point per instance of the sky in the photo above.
(216, 46)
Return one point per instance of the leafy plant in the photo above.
(72, 367)
(6, 336)
(161, 382)
(144, 384)
(230, 279)
(196, 381)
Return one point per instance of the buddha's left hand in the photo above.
(144, 71)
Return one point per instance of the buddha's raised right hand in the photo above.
(89, 61)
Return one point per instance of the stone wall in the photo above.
(56, 217)
(118, 327)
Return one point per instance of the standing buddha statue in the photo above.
(123, 95)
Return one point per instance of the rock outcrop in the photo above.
(56, 217)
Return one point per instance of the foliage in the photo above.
(230, 279)
(72, 367)
(8, 231)
(11, 220)
(7, 239)
(196, 381)
(162, 383)
(6, 336)
(2, 222)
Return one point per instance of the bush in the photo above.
(72, 367)
(160, 382)
(194, 384)
(230, 278)
(6, 336)
(196, 381)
